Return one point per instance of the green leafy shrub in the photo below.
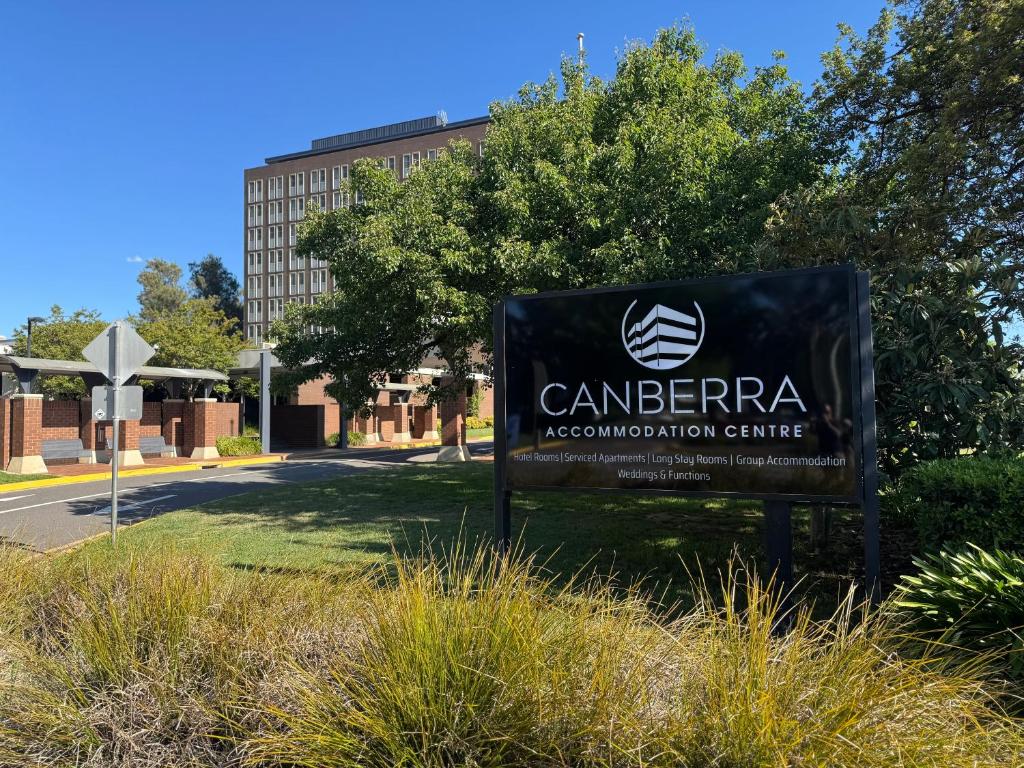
(971, 600)
(332, 440)
(476, 422)
(978, 499)
(238, 446)
(250, 431)
(356, 438)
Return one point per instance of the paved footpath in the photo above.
(51, 518)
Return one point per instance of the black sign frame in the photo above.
(778, 507)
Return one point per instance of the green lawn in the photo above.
(6, 477)
(320, 527)
(479, 433)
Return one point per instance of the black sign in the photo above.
(746, 386)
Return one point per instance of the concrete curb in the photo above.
(94, 476)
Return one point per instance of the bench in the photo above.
(63, 450)
(155, 446)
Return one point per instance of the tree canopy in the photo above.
(923, 119)
(161, 290)
(61, 337)
(669, 170)
(906, 161)
(210, 279)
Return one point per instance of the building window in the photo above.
(318, 180)
(275, 284)
(336, 201)
(338, 175)
(275, 187)
(297, 300)
(275, 212)
(291, 234)
(406, 165)
(255, 191)
(296, 209)
(295, 261)
(276, 261)
(297, 283)
(480, 148)
(255, 312)
(320, 201)
(296, 184)
(431, 154)
(255, 265)
(318, 281)
(255, 287)
(391, 163)
(255, 333)
(275, 309)
(255, 239)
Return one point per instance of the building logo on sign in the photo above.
(665, 338)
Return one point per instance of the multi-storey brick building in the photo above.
(277, 194)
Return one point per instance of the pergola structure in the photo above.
(34, 431)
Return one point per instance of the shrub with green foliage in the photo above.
(476, 422)
(356, 438)
(977, 499)
(240, 445)
(332, 440)
(971, 600)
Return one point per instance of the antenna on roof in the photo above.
(442, 116)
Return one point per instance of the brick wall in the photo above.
(228, 419)
(60, 419)
(386, 422)
(152, 420)
(173, 426)
(453, 420)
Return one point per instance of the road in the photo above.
(44, 519)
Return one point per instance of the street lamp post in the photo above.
(28, 345)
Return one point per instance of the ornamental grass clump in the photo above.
(155, 657)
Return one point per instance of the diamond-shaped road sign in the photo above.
(118, 352)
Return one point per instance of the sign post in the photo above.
(117, 352)
(755, 386)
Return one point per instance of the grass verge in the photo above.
(6, 477)
(318, 528)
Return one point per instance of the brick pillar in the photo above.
(128, 454)
(171, 422)
(200, 419)
(26, 435)
(385, 418)
(453, 430)
(425, 422)
(401, 417)
(5, 431)
(87, 432)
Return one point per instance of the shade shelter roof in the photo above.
(28, 368)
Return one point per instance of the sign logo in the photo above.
(665, 338)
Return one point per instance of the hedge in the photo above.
(976, 499)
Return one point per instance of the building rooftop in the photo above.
(382, 133)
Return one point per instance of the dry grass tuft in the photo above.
(155, 658)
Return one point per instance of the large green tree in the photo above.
(210, 279)
(195, 335)
(61, 337)
(923, 120)
(668, 170)
(161, 289)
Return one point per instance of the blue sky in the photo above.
(125, 127)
